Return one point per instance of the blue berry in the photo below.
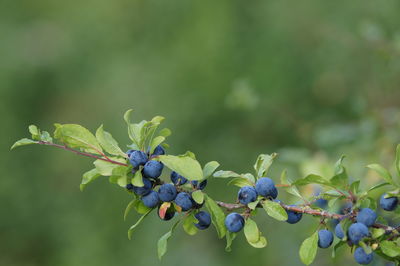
(247, 194)
(137, 158)
(184, 201)
(167, 192)
(293, 217)
(325, 238)
(339, 231)
(361, 257)
(234, 222)
(204, 219)
(177, 179)
(159, 150)
(200, 186)
(388, 204)
(152, 169)
(357, 232)
(151, 200)
(129, 187)
(265, 187)
(141, 191)
(322, 203)
(366, 216)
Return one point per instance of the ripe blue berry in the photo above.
(177, 179)
(184, 201)
(356, 232)
(325, 238)
(247, 194)
(141, 191)
(265, 187)
(129, 187)
(234, 222)
(388, 204)
(366, 216)
(151, 200)
(293, 217)
(200, 186)
(152, 169)
(361, 257)
(204, 219)
(137, 158)
(159, 150)
(167, 192)
(339, 231)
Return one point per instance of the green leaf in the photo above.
(35, 132)
(253, 235)
(23, 142)
(106, 168)
(140, 207)
(275, 210)
(340, 179)
(76, 136)
(209, 169)
(378, 186)
(229, 239)
(312, 179)
(354, 187)
(188, 224)
(217, 216)
(377, 232)
(184, 165)
(129, 207)
(155, 142)
(240, 182)
(287, 181)
(253, 205)
(88, 177)
(137, 180)
(390, 248)
(397, 162)
(165, 132)
(225, 174)
(133, 227)
(308, 249)
(45, 136)
(108, 143)
(382, 172)
(163, 242)
(263, 163)
(198, 196)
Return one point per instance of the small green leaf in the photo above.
(155, 142)
(308, 249)
(23, 142)
(76, 136)
(35, 132)
(336, 247)
(129, 207)
(165, 132)
(184, 165)
(253, 205)
(225, 174)
(188, 224)
(367, 249)
(377, 232)
(229, 239)
(198, 196)
(209, 169)
(140, 207)
(108, 143)
(240, 182)
(390, 248)
(133, 227)
(378, 186)
(275, 210)
(263, 163)
(137, 179)
(292, 189)
(217, 216)
(88, 177)
(163, 241)
(253, 235)
(382, 172)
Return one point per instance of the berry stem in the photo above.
(64, 147)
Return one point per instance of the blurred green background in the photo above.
(310, 80)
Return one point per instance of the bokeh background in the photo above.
(310, 80)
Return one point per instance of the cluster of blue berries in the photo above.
(168, 192)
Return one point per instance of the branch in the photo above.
(308, 210)
(64, 147)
